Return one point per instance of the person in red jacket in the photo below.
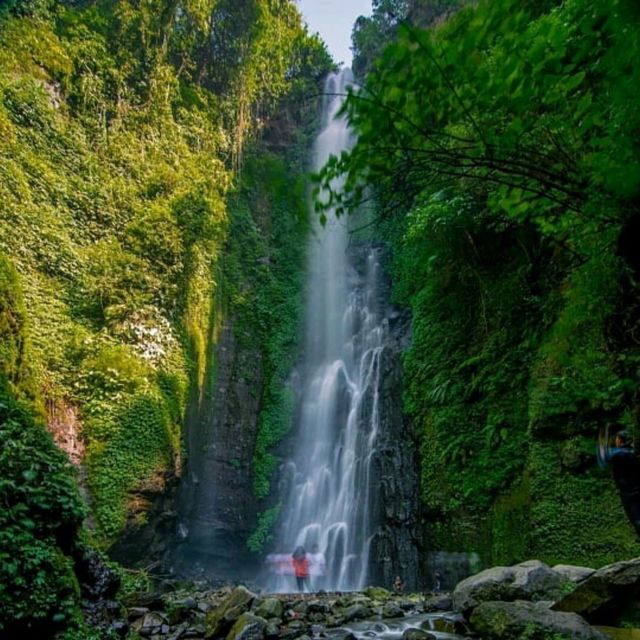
(301, 568)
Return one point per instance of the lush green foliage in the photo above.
(507, 139)
(263, 532)
(120, 129)
(41, 514)
(372, 33)
(269, 223)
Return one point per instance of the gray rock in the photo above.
(272, 630)
(151, 623)
(515, 620)
(134, 613)
(318, 606)
(417, 634)
(301, 606)
(453, 624)
(219, 622)
(179, 632)
(248, 627)
(406, 605)
(392, 610)
(605, 593)
(356, 612)
(575, 574)
(531, 580)
(269, 608)
(438, 603)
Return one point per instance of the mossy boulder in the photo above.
(269, 608)
(531, 580)
(392, 610)
(531, 620)
(248, 627)
(376, 593)
(606, 593)
(220, 621)
(357, 611)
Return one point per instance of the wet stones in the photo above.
(357, 612)
(440, 602)
(220, 621)
(418, 634)
(531, 580)
(392, 610)
(511, 620)
(377, 593)
(269, 608)
(248, 627)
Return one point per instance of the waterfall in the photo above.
(330, 494)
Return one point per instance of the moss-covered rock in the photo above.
(531, 621)
(220, 621)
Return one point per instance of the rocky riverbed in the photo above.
(529, 600)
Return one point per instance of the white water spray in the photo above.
(331, 490)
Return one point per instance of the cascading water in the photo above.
(330, 499)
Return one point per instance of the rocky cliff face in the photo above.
(395, 546)
(217, 508)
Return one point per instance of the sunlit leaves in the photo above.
(534, 104)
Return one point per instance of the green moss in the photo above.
(511, 373)
(262, 534)
(129, 449)
(12, 324)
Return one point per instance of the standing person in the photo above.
(626, 474)
(317, 567)
(437, 582)
(301, 568)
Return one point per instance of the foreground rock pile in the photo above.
(239, 614)
(529, 600)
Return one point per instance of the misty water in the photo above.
(330, 496)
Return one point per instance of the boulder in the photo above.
(440, 602)
(417, 634)
(248, 627)
(133, 613)
(531, 620)
(531, 580)
(356, 612)
(392, 610)
(575, 574)
(452, 624)
(318, 606)
(150, 624)
(272, 630)
(269, 608)
(376, 593)
(219, 621)
(605, 593)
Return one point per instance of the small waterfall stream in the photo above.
(330, 497)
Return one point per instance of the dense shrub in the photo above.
(39, 522)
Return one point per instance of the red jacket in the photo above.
(301, 567)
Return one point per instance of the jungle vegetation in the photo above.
(499, 151)
(153, 184)
(129, 132)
